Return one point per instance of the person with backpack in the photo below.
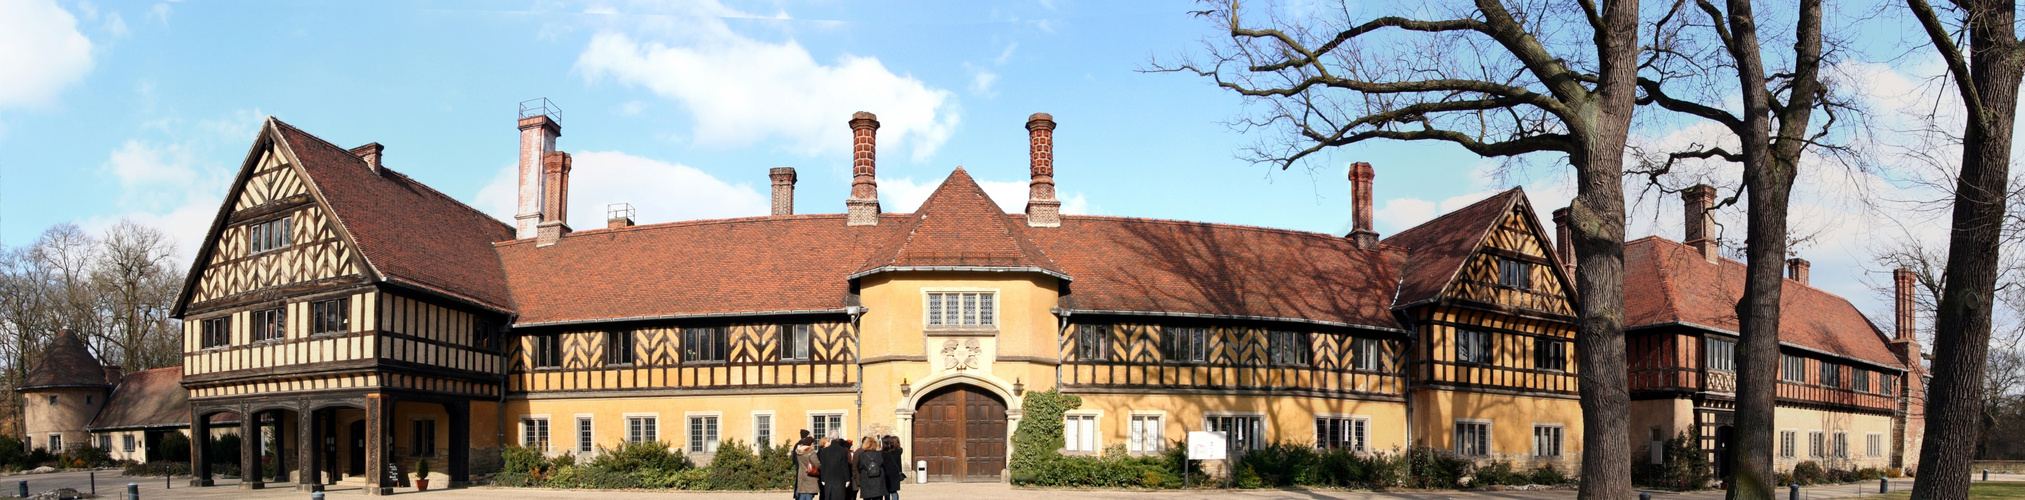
(896, 471)
(808, 472)
(871, 469)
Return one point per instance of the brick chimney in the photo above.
(618, 215)
(1796, 269)
(1564, 239)
(1360, 206)
(862, 208)
(783, 190)
(1902, 306)
(1043, 210)
(113, 374)
(555, 200)
(371, 154)
(538, 132)
(1698, 203)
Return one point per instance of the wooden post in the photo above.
(200, 448)
(379, 407)
(307, 448)
(249, 451)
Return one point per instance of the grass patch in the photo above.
(1977, 490)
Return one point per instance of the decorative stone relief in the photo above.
(960, 358)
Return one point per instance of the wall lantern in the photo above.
(905, 389)
(1019, 389)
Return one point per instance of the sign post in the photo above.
(1203, 445)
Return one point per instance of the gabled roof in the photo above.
(959, 228)
(1667, 282)
(1437, 249)
(1165, 267)
(67, 363)
(146, 399)
(408, 233)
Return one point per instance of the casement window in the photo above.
(619, 347)
(643, 429)
(1367, 354)
(1473, 347)
(127, 443)
(1093, 342)
(268, 236)
(1287, 348)
(105, 442)
(1550, 354)
(1472, 438)
(795, 342)
(1874, 444)
(1146, 433)
(1185, 344)
(961, 309)
(762, 429)
(1817, 445)
(702, 344)
(1841, 444)
(534, 433)
(1831, 375)
(1786, 443)
(422, 442)
(547, 351)
(584, 442)
(1514, 274)
(822, 425)
(1079, 433)
(1349, 433)
(1887, 384)
(1240, 432)
(1721, 355)
(1792, 368)
(270, 324)
(330, 316)
(703, 434)
(1859, 379)
(1547, 441)
(217, 332)
(55, 443)
(484, 335)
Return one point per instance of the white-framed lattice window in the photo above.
(1472, 437)
(643, 428)
(127, 443)
(824, 424)
(1720, 355)
(1841, 444)
(1792, 368)
(534, 432)
(1241, 431)
(1817, 444)
(762, 428)
(1079, 432)
(1874, 444)
(1547, 439)
(1145, 433)
(1887, 384)
(1350, 432)
(1093, 342)
(1859, 379)
(584, 435)
(1788, 442)
(955, 309)
(703, 433)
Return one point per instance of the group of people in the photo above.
(828, 469)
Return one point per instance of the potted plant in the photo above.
(422, 474)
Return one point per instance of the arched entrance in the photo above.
(960, 430)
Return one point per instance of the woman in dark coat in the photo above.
(871, 486)
(896, 471)
(835, 461)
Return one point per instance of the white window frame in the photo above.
(772, 422)
(1873, 443)
(996, 311)
(548, 440)
(1092, 434)
(843, 422)
(585, 445)
(1358, 444)
(1368, 354)
(1489, 445)
(1560, 439)
(127, 442)
(1254, 442)
(711, 440)
(797, 342)
(1138, 443)
(1789, 443)
(1841, 444)
(655, 417)
(1817, 444)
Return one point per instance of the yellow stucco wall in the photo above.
(735, 416)
(1287, 419)
(1669, 417)
(1856, 426)
(1512, 418)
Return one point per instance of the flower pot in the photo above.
(421, 485)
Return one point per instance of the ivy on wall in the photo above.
(1039, 438)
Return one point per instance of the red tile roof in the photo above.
(1668, 282)
(144, 399)
(959, 226)
(1437, 249)
(1164, 266)
(67, 363)
(410, 234)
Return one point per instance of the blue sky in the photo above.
(142, 109)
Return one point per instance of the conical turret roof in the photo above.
(67, 363)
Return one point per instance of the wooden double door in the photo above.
(961, 432)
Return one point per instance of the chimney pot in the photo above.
(862, 208)
(1360, 206)
(1699, 203)
(1796, 268)
(1043, 210)
(371, 154)
(1564, 238)
(538, 132)
(783, 190)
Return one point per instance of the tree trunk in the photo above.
(1962, 321)
(1598, 215)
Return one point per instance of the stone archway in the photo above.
(961, 431)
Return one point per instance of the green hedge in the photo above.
(1807, 473)
(1684, 467)
(736, 466)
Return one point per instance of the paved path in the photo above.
(113, 487)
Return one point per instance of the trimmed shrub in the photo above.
(631, 457)
(225, 450)
(1808, 472)
(158, 468)
(736, 467)
(86, 456)
(174, 446)
(1549, 476)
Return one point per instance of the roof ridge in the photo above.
(1464, 208)
(411, 180)
(1182, 222)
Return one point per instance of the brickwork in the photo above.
(783, 190)
(1698, 203)
(863, 206)
(537, 140)
(1360, 206)
(1043, 210)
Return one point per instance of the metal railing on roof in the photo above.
(540, 106)
(618, 211)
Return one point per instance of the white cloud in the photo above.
(981, 80)
(42, 51)
(740, 90)
(905, 195)
(659, 191)
(1007, 54)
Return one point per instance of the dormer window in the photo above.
(1514, 274)
(961, 309)
(267, 236)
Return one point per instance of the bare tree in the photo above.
(1986, 76)
(138, 280)
(1498, 79)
